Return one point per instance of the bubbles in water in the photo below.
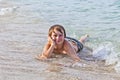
(77, 64)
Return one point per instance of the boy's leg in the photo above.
(84, 38)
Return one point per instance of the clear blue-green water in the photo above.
(98, 18)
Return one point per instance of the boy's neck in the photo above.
(60, 46)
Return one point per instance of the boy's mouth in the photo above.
(58, 41)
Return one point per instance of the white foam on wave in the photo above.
(8, 10)
(107, 53)
(103, 51)
(117, 67)
(112, 59)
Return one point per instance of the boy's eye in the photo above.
(60, 35)
(55, 35)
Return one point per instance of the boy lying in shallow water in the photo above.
(59, 43)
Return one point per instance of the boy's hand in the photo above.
(41, 57)
(52, 41)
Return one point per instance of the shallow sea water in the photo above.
(20, 45)
(23, 33)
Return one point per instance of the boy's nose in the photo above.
(58, 37)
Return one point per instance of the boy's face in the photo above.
(58, 37)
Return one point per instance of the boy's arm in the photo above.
(48, 50)
(49, 47)
(71, 52)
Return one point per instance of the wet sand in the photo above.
(20, 43)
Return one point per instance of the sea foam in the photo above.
(107, 53)
(8, 10)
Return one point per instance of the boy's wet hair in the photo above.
(58, 28)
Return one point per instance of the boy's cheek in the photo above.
(53, 38)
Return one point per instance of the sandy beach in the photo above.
(21, 43)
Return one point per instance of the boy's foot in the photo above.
(84, 38)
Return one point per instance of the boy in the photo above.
(59, 43)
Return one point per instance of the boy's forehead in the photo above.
(56, 32)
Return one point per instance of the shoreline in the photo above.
(19, 45)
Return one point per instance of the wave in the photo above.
(8, 10)
(107, 53)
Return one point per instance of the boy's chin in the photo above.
(58, 43)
